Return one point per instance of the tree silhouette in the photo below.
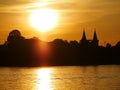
(108, 45)
(118, 44)
(14, 37)
(18, 51)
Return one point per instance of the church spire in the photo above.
(95, 36)
(84, 36)
(84, 42)
(95, 39)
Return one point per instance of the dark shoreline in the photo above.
(18, 51)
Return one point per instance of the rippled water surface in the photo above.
(61, 78)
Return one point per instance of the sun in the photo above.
(44, 19)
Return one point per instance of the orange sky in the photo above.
(74, 15)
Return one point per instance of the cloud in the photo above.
(82, 10)
(13, 6)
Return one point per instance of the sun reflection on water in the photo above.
(44, 79)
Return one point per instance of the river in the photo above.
(104, 77)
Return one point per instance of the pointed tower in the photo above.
(95, 39)
(83, 36)
(84, 41)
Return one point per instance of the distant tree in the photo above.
(35, 38)
(14, 36)
(74, 43)
(58, 41)
(108, 45)
(118, 44)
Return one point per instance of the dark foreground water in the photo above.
(61, 78)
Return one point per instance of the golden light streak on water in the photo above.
(44, 81)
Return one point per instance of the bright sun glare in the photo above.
(44, 19)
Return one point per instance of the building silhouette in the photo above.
(84, 42)
(89, 43)
(95, 41)
(18, 51)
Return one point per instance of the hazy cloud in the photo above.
(104, 6)
(81, 9)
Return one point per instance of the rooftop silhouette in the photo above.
(19, 51)
(86, 43)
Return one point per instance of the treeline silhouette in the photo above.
(18, 51)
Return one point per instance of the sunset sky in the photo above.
(72, 17)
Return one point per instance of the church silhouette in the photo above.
(18, 51)
(89, 43)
